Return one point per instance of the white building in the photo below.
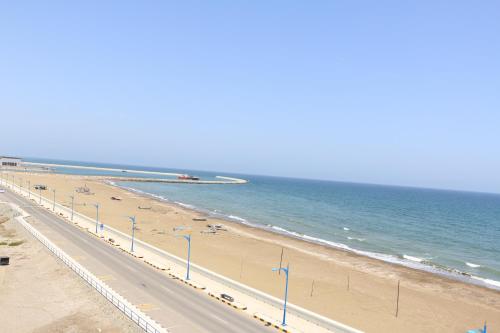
(6, 161)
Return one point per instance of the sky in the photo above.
(388, 92)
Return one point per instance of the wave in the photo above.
(487, 281)
(237, 218)
(472, 265)
(404, 260)
(411, 258)
(184, 205)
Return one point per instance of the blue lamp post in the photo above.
(72, 206)
(188, 238)
(54, 202)
(132, 219)
(286, 270)
(96, 217)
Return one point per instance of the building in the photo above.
(6, 161)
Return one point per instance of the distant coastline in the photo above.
(350, 238)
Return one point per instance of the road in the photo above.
(174, 305)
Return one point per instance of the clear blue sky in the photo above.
(392, 92)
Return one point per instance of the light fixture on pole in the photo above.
(97, 216)
(72, 206)
(188, 238)
(54, 202)
(286, 270)
(132, 219)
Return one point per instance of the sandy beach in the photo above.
(349, 288)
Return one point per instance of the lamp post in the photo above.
(72, 206)
(54, 202)
(40, 197)
(29, 189)
(97, 216)
(286, 270)
(132, 219)
(188, 238)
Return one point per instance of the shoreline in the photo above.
(350, 288)
(399, 261)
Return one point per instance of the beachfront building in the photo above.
(7, 161)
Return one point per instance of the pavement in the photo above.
(176, 306)
(49, 297)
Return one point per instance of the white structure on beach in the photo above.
(8, 161)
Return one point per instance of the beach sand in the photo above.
(353, 289)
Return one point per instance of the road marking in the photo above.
(146, 307)
(105, 277)
(167, 289)
(218, 318)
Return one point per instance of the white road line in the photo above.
(167, 289)
(218, 318)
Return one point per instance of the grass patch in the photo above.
(16, 243)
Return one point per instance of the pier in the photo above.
(221, 179)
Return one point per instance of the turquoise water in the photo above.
(442, 231)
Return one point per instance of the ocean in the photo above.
(446, 232)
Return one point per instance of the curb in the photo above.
(188, 282)
(271, 322)
(116, 299)
(235, 305)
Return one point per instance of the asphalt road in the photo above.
(174, 305)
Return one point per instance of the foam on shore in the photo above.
(404, 260)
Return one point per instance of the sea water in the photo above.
(442, 231)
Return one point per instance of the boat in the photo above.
(188, 177)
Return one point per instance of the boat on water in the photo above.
(188, 177)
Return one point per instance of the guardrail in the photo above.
(143, 321)
(296, 310)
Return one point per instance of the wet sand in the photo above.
(344, 286)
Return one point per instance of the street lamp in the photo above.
(54, 202)
(132, 219)
(97, 216)
(188, 238)
(29, 189)
(286, 270)
(72, 206)
(40, 189)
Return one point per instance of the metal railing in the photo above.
(143, 321)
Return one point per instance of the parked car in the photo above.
(2, 190)
(227, 297)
